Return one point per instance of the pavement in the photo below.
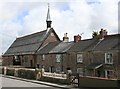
(44, 83)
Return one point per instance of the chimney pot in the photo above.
(65, 38)
(103, 33)
(77, 38)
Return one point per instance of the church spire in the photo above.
(48, 20)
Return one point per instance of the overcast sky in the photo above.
(22, 17)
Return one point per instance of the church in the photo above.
(23, 50)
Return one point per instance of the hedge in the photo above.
(54, 80)
(28, 74)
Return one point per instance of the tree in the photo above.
(95, 34)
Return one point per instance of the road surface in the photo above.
(7, 82)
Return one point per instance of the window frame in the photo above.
(58, 69)
(107, 75)
(17, 58)
(79, 58)
(43, 57)
(58, 58)
(108, 60)
(80, 71)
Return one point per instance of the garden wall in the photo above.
(95, 82)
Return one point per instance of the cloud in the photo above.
(105, 15)
(20, 18)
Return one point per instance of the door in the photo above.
(31, 63)
(51, 69)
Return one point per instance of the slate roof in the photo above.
(82, 45)
(31, 43)
(94, 65)
(47, 48)
(62, 47)
(110, 42)
(28, 44)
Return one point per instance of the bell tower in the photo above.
(48, 20)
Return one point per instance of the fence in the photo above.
(37, 74)
(55, 75)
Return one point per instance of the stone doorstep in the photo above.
(41, 82)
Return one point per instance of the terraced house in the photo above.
(97, 57)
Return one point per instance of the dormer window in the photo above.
(108, 58)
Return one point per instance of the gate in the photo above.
(74, 80)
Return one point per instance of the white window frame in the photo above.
(107, 59)
(16, 58)
(58, 58)
(43, 57)
(80, 71)
(79, 58)
(106, 73)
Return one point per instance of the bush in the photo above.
(1, 70)
(54, 80)
(10, 72)
(28, 74)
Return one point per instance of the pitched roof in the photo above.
(82, 45)
(110, 42)
(62, 47)
(47, 48)
(94, 66)
(29, 44)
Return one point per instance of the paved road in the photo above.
(7, 82)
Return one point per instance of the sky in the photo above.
(22, 17)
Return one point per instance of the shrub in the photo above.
(10, 72)
(24, 73)
(54, 80)
(1, 70)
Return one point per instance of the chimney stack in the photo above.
(65, 38)
(77, 38)
(103, 33)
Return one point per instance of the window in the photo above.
(16, 60)
(43, 57)
(108, 58)
(58, 69)
(38, 66)
(52, 34)
(80, 71)
(79, 58)
(58, 58)
(108, 73)
(16, 57)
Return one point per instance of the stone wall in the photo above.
(7, 60)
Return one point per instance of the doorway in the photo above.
(31, 63)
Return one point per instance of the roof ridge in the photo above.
(31, 34)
